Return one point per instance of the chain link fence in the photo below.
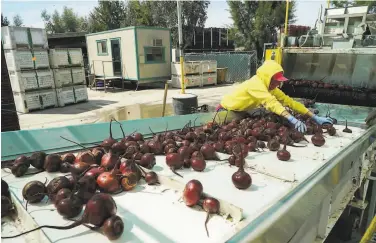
(240, 65)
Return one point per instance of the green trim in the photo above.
(121, 57)
(110, 31)
(153, 78)
(137, 57)
(104, 53)
(155, 62)
(152, 28)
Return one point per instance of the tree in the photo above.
(4, 21)
(257, 22)
(17, 20)
(68, 21)
(349, 3)
(164, 14)
(108, 15)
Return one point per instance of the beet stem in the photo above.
(151, 131)
(121, 127)
(74, 142)
(71, 226)
(206, 223)
(176, 173)
(111, 128)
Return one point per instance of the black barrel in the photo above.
(184, 103)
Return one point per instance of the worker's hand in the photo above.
(321, 120)
(299, 125)
(371, 118)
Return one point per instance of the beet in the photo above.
(37, 159)
(283, 154)
(155, 147)
(347, 130)
(56, 184)
(113, 227)
(273, 145)
(209, 152)
(187, 163)
(109, 160)
(241, 179)
(68, 158)
(198, 164)
(192, 193)
(318, 140)
(110, 181)
(86, 188)
(52, 163)
(175, 162)
(331, 131)
(69, 207)
(129, 181)
(147, 160)
(108, 142)
(211, 206)
(34, 192)
(62, 194)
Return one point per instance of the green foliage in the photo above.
(256, 22)
(348, 3)
(108, 15)
(17, 20)
(4, 21)
(68, 21)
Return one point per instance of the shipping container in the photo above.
(65, 96)
(137, 53)
(45, 78)
(26, 59)
(22, 81)
(66, 57)
(209, 79)
(23, 37)
(189, 81)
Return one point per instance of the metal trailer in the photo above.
(296, 201)
(139, 54)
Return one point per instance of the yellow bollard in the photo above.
(369, 232)
(164, 99)
(182, 74)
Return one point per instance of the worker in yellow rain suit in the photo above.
(262, 90)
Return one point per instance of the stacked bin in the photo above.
(196, 73)
(69, 74)
(31, 78)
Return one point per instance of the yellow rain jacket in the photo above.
(255, 92)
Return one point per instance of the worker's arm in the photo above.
(270, 102)
(287, 101)
(299, 107)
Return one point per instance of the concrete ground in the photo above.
(89, 112)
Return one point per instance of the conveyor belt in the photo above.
(151, 215)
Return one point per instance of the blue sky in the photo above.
(218, 15)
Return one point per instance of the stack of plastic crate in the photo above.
(69, 75)
(29, 70)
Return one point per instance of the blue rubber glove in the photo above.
(321, 120)
(299, 125)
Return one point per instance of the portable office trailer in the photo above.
(136, 53)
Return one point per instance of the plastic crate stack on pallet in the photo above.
(69, 74)
(9, 117)
(196, 73)
(29, 70)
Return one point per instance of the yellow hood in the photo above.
(267, 70)
(255, 92)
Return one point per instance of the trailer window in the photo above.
(154, 54)
(102, 47)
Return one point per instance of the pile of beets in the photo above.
(116, 166)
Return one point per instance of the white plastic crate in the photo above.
(41, 59)
(209, 66)
(62, 77)
(65, 96)
(192, 67)
(78, 75)
(75, 55)
(26, 102)
(80, 92)
(19, 59)
(189, 81)
(58, 58)
(48, 98)
(17, 37)
(22, 81)
(209, 79)
(45, 79)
